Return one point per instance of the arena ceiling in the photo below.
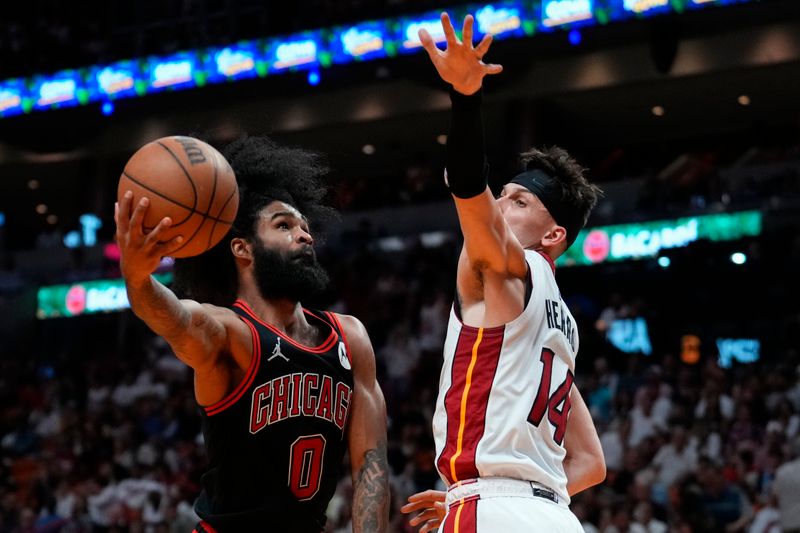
(591, 99)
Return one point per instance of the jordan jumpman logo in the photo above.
(276, 352)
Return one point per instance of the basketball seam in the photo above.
(196, 231)
(144, 186)
(207, 216)
(183, 168)
(192, 211)
(234, 191)
(211, 201)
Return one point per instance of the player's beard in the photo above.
(296, 277)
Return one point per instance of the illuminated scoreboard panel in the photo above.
(176, 71)
(298, 51)
(118, 80)
(503, 20)
(409, 27)
(361, 42)
(556, 13)
(235, 62)
(315, 49)
(12, 98)
(63, 89)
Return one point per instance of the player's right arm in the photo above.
(584, 464)
(193, 331)
(489, 245)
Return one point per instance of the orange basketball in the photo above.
(190, 182)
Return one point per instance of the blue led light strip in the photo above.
(314, 49)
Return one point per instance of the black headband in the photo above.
(551, 194)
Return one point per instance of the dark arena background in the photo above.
(686, 113)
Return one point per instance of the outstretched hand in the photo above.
(460, 64)
(432, 505)
(140, 251)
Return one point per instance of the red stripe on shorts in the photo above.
(462, 517)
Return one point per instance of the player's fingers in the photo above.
(411, 507)
(492, 68)
(430, 525)
(137, 219)
(428, 514)
(428, 44)
(466, 30)
(154, 236)
(430, 494)
(124, 212)
(169, 247)
(449, 31)
(483, 46)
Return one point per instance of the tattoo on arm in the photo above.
(371, 494)
(159, 308)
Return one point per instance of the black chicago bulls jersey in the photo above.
(276, 442)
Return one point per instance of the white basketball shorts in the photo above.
(503, 505)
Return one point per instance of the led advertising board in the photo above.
(502, 20)
(360, 42)
(240, 61)
(630, 335)
(84, 298)
(12, 97)
(556, 13)
(634, 241)
(62, 89)
(172, 72)
(299, 51)
(118, 80)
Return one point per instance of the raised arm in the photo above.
(488, 242)
(584, 464)
(366, 436)
(194, 331)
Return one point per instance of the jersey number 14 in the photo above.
(557, 404)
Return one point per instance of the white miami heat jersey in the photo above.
(504, 391)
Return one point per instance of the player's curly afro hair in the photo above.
(265, 172)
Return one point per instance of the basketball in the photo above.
(190, 182)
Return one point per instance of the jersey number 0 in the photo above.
(552, 405)
(305, 466)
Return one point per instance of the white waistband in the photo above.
(495, 487)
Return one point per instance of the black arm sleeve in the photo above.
(467, 169)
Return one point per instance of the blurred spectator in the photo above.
(619, 521)
(643, 514)
(613, 443)
(787, 491)
(726, 506)
(674, 460)
(645, 420)
(399, 356)
(767, 519)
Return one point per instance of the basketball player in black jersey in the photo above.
(283, 390)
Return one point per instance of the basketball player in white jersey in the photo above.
(513, 437)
